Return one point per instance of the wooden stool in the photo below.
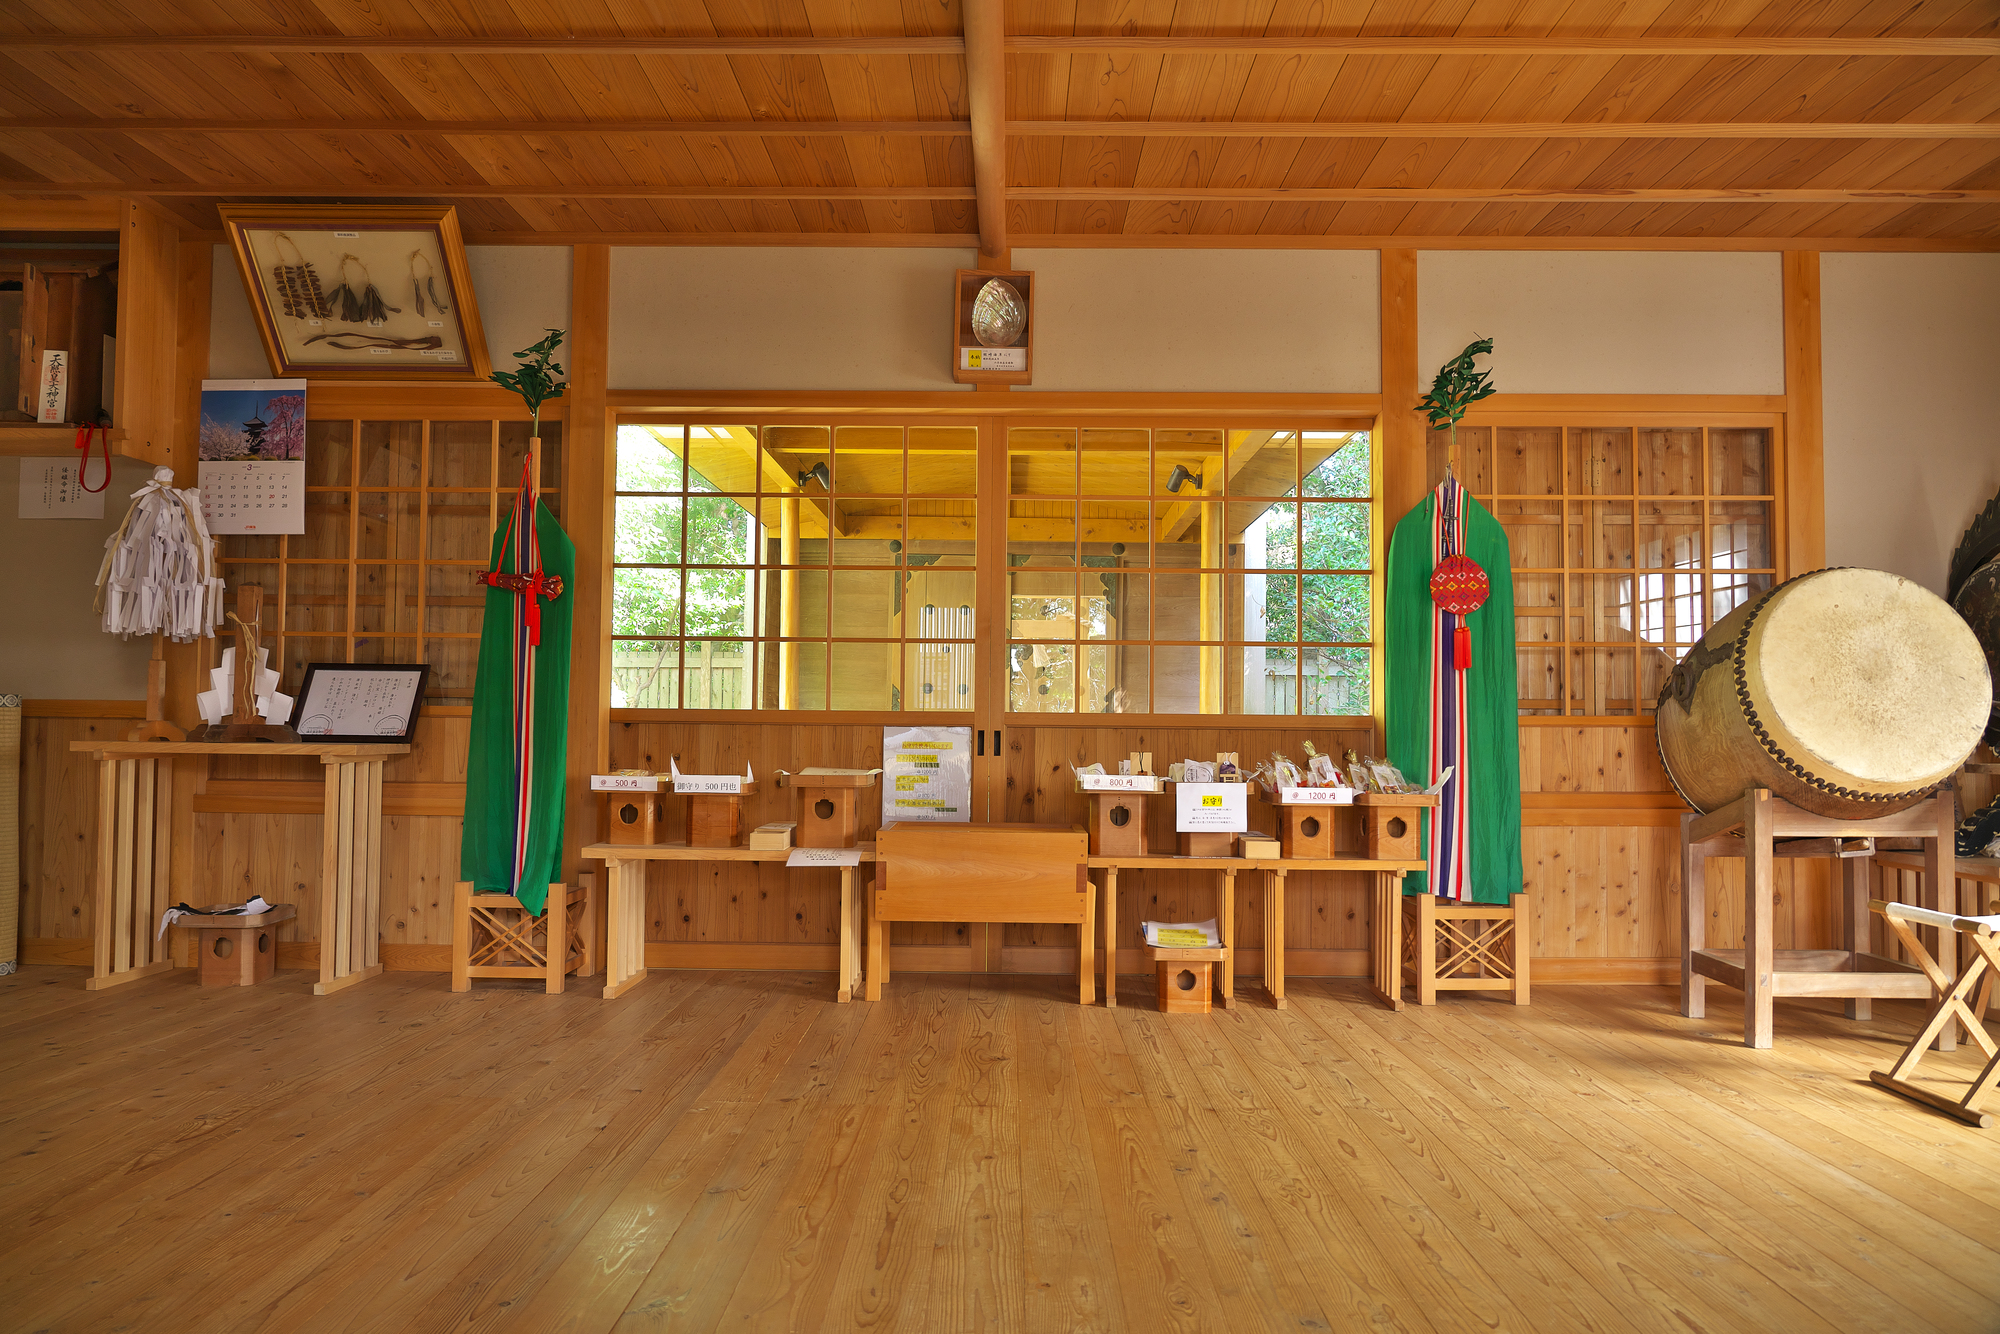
(238, 951)
(492, 935)
(1187, 977)
(1466, 947)
(1983, 934)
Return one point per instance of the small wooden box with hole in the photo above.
(1305, 821)
(1187, 977)
(1118, 816)
(829, 805)
(1394, 823)
(632, 817)
(237, 951)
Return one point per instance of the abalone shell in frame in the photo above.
(998, 314)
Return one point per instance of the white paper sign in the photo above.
(824, 857)
(927, 775)
(53, 489)
(246, 497)
(1211, 808)
(1315, 796)
(624, 783)
(1118, 782)
(52, 396)
(728, 784)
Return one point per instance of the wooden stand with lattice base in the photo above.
(1466, 947)
(494, 936)
(1983, 933)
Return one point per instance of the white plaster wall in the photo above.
(1248, 321)
(814, 317)
(1611, 322)
(51, 647)
(1910, 355)
(522, 292)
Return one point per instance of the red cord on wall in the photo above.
(83, 443)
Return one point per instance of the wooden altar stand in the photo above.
(135, 832)
(1752, 827)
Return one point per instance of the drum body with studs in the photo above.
(1849, 693)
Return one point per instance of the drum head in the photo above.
(1875, 676)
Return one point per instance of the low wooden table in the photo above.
(135, 784)
(1385, 950)
(625, 912)
(252, 955)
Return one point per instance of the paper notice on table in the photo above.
(927, 775)
(1182, 935)
(1221, 808)
(824, 857)
(53, 489)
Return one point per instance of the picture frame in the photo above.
(360, 291)
(360, 701)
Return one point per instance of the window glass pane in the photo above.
(1041, 605)
(1727, 592)
(1527, 460)
(1669, 462)
(1041, 533)
(1041, 678)
(1739, 461)
(1336, 608)
(1669, 609)
(1669, 535)
(1041, 461)
(1114, 604)
(454, 665)
(869, 460)
(385, 599)
(1116, 679)
(327, 517)
(721, 530)
(645, 602)
(645, 674)
(316, 599)
(647, 530)
(388, 526)
(1337, 681)
(1263, 534)
(514, 437)
(1538, 608)
(941, 532)
(715, 673)
(330, 451)
(1262, 679)
(868, 532)
(725, 458)
(938, 603)
(1539, 671)
(867, 676)
(937, 675)
(1600, 534)
(1336, 536)
(1262, 608)
(454, 599)
(461, 526)
(867, 604)
(1178, 602)
(1739, 535)
(649, 457)
(1177, 674)
(1600, 461)
(1600, 682)
(1114, 460)
(1116, 532)
(1182, 461)
(391, 453)
(1261, 463)
(462, 454)
(1534, 533)
(944, 460)
(1600, 608)
(1655, 666)
(719, 602)
(795, 602)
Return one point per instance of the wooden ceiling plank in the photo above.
(1109, 87)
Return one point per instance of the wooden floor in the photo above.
(732, 1150)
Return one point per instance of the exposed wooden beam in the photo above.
(619, 44)
(1070, 129)
(1170, 193)
(986, 101)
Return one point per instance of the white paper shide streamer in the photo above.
(158, 575)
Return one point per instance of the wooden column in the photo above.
(145, 396)
(589, 479)
(1399, 435)
(1211, 604)
(1805, 468)
(788, 603)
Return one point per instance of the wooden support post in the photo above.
(1854, 932)
(1941, 895)
(1694, 922)
(1758, 927)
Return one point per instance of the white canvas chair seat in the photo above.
(1983, 933)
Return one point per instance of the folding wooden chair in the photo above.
(1983, 934)
(494, 936)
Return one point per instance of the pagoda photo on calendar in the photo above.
(253, 419)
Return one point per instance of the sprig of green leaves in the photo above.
(1458, 386)
(535, 381)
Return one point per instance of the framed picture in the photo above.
(360, 292)
(359, 701)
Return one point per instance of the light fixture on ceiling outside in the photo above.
(819, 472)
(1180, 477)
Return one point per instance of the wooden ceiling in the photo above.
(1227, 122)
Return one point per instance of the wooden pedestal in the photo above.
(1305, 832)
(630, 818)
(1187, 977)
(1205, 844)
(1393, 822)
(715, 820)
(1118, 824)
(238, 951)
(1466, 947)
(830, 808)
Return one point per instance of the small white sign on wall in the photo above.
(53, 489)
(1211, 808)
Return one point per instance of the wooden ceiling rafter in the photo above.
(986, 99)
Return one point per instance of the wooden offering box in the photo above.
(1187, 977)
(1118, 823)
(238, 951)
(1393, 821)
(715, 819)
(830, 806)
(631, 818)
(1305, 828)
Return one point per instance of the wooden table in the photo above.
(1385, 948)
(625, 899)
(135, 782)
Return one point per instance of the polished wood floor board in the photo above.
(973, 1153)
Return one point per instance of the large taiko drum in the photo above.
(1849, 693)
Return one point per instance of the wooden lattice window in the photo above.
(1628, 541)
(399, 519)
